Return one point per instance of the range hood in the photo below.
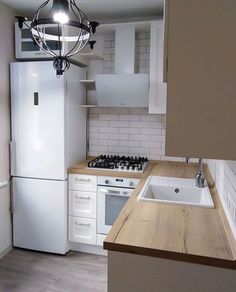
(124, 88)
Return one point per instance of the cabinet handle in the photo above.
(82, 224)
(82, 180)
(83, 198)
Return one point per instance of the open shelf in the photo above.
(88, 105)
(91, 56)
(89, 84)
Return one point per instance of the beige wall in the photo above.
(130, 272)
(6, 55)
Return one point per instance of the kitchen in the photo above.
(91, 162)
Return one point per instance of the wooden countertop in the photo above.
(183, 233)
(177, 232)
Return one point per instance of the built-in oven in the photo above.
(113, 194)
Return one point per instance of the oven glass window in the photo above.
(113, 206)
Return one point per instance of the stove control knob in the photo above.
(107, 182)
(131, 184)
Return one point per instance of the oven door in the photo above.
(111, 200)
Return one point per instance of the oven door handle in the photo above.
(110, 191)
(114, 193)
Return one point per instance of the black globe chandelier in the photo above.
(61, 30)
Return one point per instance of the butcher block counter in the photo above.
(177, 232)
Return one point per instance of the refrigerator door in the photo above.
(38, 113)
(39, 215)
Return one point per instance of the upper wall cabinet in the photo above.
(157, 88)
(201, 78)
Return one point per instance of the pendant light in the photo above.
(61, 30)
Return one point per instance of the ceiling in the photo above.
(99, 9)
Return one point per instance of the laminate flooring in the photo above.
(27, 271)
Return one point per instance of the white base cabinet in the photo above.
(83, 204)
(82, 230)
(83, 209)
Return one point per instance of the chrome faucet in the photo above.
(200, 178)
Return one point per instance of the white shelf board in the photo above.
(88, 105)
(89, 84)
(91, 56)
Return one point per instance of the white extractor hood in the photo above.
(124, 88)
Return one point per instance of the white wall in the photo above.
(6, 55)
(224, 175)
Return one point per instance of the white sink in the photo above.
(175, 191)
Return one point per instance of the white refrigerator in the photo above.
(48, 136)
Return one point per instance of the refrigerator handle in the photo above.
(11, 198)
(11, 158)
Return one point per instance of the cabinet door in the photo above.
(82, 230)
(82, 204)
(157, 90)
(78, 182)
(201, 87)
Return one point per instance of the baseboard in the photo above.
(6, 251)
(86, 248)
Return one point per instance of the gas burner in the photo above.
(119, 163)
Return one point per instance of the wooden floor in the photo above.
(26, 271)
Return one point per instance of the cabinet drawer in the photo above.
(82, 230)
(82, 204)
(78, 182)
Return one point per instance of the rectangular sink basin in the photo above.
(175, 191)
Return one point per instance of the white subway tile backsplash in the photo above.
(119, 124)
(119, 137)
(129, 117)
(160, 152)
(128, 143)
(109, 142)
(108, 117)
(108, 130)
(98, 148)
(129, 130)
(120, 150)
(139, 151)
(93, 129)
(151, 118)
(224, 175)
(151, 145)
(158, 125)
(158, 138)
(150, 131)
(139, 124)
(139, 138)
(97, 123)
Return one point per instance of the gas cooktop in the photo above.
(119, 163)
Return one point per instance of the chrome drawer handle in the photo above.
(82, 198)
(82, 180)
(83, 224)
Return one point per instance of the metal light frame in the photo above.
(77, 20)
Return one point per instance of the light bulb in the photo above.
(60, 11)
(61, 17)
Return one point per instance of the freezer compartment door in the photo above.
(38, 114)
(40, 215)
